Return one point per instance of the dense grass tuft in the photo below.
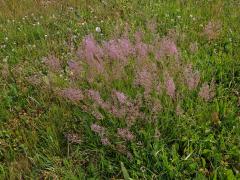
(119, 89)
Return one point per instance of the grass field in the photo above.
(117, 89)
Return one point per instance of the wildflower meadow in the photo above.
(120, 89)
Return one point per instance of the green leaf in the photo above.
(230, 175)
(124, 171)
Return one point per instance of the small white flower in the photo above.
(179, 17)
(46, 35)
(98, 29)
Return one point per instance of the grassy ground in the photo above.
(43, 135)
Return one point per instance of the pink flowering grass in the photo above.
(101, 132)
(192, 78)
(170, 85)
(212, 30)
(98, 129)
(138, 76)
(75, 68)
(125, 134)
(91, 53)
(111, 57)
(53, 63)
(119, 49)
(167, 48)
(121, 97)
(72, 94)
(98, 56)
(207, 92)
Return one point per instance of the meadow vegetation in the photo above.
(119, 89)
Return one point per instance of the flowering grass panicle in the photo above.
(112, 50)
(144, 78)
(170, 85)
(118, 112)
(73, 138)
(75, 68)
(126, 46)
(98, 129)
(105, 141)
(52, 63)
(121, 97)
(96, 97)
(207, 92)
(146, 75)
(74, 95)
(101, 132)
(167, 48)
(35, 79)
(92, 53)
(142, 50)
(212, 30)
(125, 134)
(191, 78)
(118, 49)
(133, 111)
(97, 114)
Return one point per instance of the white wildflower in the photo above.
(98, 29)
